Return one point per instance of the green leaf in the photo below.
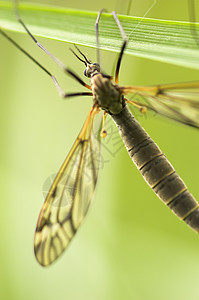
(166, 41)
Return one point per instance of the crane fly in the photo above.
(71, 193)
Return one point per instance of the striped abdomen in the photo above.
(156, 169)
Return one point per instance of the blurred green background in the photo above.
(131, 245)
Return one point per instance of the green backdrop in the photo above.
(131, 246)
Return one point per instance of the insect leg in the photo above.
(70, 72)
(125, 40)
(55, 59)
(61, 92)
(97, 35)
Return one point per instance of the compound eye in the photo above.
(97, 65)
(85, 72)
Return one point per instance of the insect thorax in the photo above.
(106, 94)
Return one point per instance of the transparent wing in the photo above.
(69, 197)
(179, 102)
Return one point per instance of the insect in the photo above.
(71, 193)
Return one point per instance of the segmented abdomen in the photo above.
(156, 169)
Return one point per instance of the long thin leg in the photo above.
(97, 36)
(61, 92)
(123, 34)
(125, 40)
(55, 59)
